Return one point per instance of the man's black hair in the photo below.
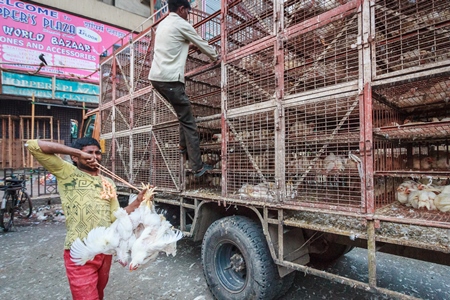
(174, 4)
(85, 141)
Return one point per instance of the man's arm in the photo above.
(55, 148)
(135, 204)
(191, 35)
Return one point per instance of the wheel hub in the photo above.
(237, 262)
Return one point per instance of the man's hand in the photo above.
(140, 196)
(90, 159)
(136, 203)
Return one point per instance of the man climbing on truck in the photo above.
(172, 43)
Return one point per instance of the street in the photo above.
(31, 267)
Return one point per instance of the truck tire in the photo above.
(236, 261)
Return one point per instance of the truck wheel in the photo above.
(236, 261)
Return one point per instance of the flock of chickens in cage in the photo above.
(427, 192)
(430, 196)
(136, 238)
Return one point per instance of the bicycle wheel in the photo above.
(7, 215)
(24, 206)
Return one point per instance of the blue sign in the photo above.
(46, 87)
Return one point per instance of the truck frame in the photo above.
(316, 115)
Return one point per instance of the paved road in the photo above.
(31, 267)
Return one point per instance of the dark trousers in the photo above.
(174, 92)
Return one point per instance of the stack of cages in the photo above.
(323, 163)
(411, 114)
(203, 87)
(249, 102)
(154, 134)
(140, 130)
(140, 127)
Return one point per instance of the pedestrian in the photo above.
(80, 187)
(172, 43)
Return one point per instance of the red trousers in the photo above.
(87, 282)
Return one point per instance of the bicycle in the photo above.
(15, 201)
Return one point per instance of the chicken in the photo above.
(122, 225)
(99, 240)
(404, 190)
(442, 202)
(317, 165)
(402, 194)
(413, 199)
(129, 232)
(107, 240)
(446, 189)
(442, 163)
(211, 158)
(291, 191)
(156, 238)
(262, 160)
(422, 163)
(333, 162)
(298, 162)
(259, 191)
(123, 250)
(300, 128)
(426, 200)
(430, 188)
(217, 137)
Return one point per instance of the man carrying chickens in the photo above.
(172, 43)
(86, 206)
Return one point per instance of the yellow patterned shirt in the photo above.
(80, 195)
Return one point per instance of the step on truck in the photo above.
(327, 124)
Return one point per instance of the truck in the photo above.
(327, 123)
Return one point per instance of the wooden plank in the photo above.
(10, 131)
(21, 135)
(3, 154)
(32, 128)
(51, 129)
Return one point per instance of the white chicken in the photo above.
(99, 240)
(153, 234)
(413, 199)
(404, 190)
(123, 250)
(143, 231)
(154, 239)
(426, 200)
(110, 240)
(122, 225)
(333, 163)
(442, 202)
(258, 191)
